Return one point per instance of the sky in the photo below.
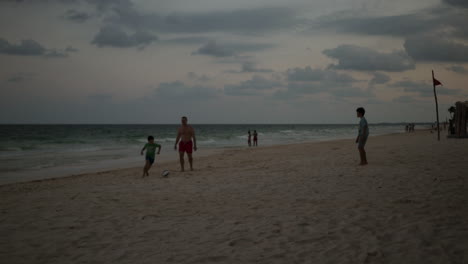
(230, 62)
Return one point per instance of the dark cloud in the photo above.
(438, 20)
(116, 37)
(259, 20)
(186, 40)
(100, 97)
(351, 57)
(201, 78)
(423, 88)
(26, 47)
(435, 48)
(106, 5)
(55, 54)
(179, 91)
(254, 86)
(379, 78)
(458, 69)
(308, 74)
(249, 66)
(76, 16)
(29, 47)
(248, 21)
(19, 77)
(458, 3)
(307, 81)
(400, 25)
(212, 48)
(71, 49)
(15, 79)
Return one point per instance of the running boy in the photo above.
(362, 135)
(150, 154)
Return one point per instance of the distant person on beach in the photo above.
(255, 138)
(362, 135)
(150, 154)
(185, 133)
(249, 140)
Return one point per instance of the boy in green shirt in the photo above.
(150, 154)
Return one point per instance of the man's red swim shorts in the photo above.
(185, 146)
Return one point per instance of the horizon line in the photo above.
(377, 123)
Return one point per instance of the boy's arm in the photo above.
(159, 148)
(143, 149)
(177, 139)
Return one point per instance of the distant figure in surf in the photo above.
(255, 138)
(249, 140)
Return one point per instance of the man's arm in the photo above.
(177, 139)
(194, 140)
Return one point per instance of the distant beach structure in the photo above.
(459, 121)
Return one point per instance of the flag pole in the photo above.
(437, 106)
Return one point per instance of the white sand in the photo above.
(306, 203)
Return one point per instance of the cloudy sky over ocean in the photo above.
(220, 61)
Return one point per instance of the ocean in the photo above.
(29, 152)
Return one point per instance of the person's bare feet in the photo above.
(363, 164)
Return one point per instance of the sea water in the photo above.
(30, 152)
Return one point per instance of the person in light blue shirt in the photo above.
(362, 135)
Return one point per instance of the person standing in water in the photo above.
(255, 138)
(249, 140)
(185, 134)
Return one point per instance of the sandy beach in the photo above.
(300, 203)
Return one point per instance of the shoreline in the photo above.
(211, 152)
(90, 154)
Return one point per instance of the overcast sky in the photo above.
(220, 61)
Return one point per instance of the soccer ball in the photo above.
(165, 173)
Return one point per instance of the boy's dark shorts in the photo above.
(150, 159)
(362, 142)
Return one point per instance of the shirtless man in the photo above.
(185, 133)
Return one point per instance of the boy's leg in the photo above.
(149, 167)
(181, 158)
(190, 159)
(145, 169)
(362, 154)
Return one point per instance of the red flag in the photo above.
(436, 82)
